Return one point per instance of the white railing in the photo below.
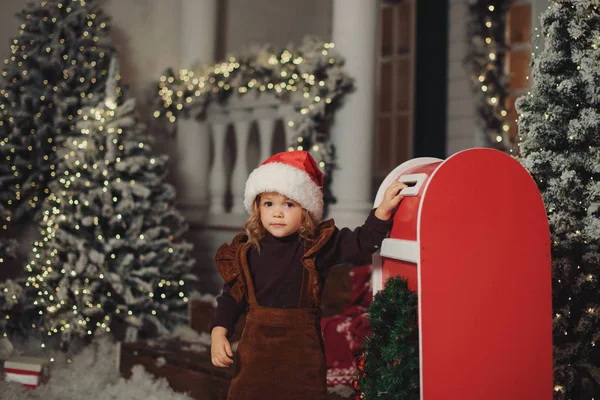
(241, 134)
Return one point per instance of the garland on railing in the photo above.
(487, 50)
(313, 69)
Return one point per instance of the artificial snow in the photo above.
(204, 297)
(93, 374)
(6, 348)
(191, 340)
(188, 335)
(342, 390)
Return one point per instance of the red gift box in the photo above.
(28, 371)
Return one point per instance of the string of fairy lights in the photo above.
(310, 77)
(486, 28)
(37, 177)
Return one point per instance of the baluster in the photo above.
(241, 122)
(266, 118)
(218, 177)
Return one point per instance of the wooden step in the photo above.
(186, 370)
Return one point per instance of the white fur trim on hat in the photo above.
(288, 181)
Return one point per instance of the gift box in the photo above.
(28, 371)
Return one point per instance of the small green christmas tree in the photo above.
(390, 368)
(559, 125)
(111, 251)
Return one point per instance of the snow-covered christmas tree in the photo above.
(559, 125)
(9, 290)
(111, 252)
(7, 245)
(9, 297)
(58, 64)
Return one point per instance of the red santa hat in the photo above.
(294, 174)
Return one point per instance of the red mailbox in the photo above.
(472, 239)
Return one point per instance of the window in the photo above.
(395, 87)
(518, 57)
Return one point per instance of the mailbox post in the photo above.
(472, 239)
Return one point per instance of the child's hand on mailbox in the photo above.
(391, 199)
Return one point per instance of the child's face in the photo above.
(279, 215)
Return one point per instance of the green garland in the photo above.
(311, 74)
(390, 367)
(487, 50)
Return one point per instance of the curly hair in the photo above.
(256, 231)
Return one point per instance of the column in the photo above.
(198, 38)
(198, 32)
(355, 38)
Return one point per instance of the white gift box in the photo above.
(28, 371)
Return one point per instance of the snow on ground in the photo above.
(204, 297)
(93, 374)
(342, 390)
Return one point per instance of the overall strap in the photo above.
(310, 292)
(243, 262)
(306, 299)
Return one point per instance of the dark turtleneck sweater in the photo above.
(277, 268)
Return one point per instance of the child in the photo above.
(277, 271)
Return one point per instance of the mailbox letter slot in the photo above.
(413, 182)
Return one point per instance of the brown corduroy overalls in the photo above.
(280, 354)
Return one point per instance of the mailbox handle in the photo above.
(413, 182)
